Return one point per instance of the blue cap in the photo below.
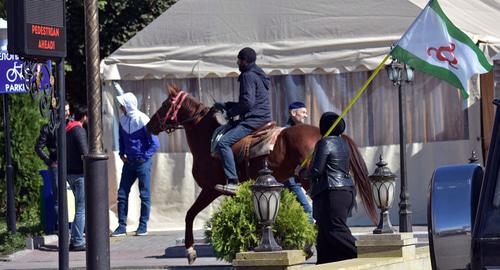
(296, 105)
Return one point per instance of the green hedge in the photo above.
(234, 227)
(25, 122)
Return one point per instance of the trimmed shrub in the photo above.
(234, 228)
(25, 122)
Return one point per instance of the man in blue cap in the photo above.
(297, 113)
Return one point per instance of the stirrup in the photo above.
(229, 189)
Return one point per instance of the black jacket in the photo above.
(253, 104)
(76, 147)
(47, 139)
(330, 165)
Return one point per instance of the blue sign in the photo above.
(11, 74)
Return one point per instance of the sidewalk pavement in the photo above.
(158, 250)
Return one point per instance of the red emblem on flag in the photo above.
(445, 53)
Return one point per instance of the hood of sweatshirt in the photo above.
(134, 119)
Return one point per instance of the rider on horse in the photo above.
(253, 108)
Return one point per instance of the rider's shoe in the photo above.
(229, 189)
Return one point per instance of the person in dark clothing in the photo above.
(47, 139)
(297, 112)
(76, 147)
(333, 193)
(253, 108)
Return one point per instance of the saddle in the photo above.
(256, 144)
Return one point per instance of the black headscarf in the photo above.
(327, 120)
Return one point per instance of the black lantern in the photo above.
(383, 184)
(266, 201)
(398, 73)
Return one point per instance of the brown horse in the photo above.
(292, 146)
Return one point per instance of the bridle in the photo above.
(169, 123)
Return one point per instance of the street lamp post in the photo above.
(383, 183)
(399, 73)
(266, 193)
(95, 162)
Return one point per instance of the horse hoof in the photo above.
(191, 255)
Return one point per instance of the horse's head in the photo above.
(178, 109)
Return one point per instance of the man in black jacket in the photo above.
(77, 146)
(253, 108)
(47, 139)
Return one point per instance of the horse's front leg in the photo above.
(206, 196)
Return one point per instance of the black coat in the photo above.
(47, 139)
(330, 165)
(76, 147)
(253, 104)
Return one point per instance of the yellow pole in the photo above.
(353, 100)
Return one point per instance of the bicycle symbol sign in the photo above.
(15, 72)
(11, 75)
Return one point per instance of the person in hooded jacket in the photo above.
(253, 108)
(137, 147)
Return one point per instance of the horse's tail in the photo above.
(358, 167)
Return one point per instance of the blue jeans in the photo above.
(224, 148)
(55, 193)
(130, 172)
(292, 185)
(77, 184)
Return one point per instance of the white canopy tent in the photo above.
(201, 37)
(199, 40)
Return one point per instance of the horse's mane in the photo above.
(196, 107)
(360, 171)
(193, 106)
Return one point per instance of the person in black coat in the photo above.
(47, 139)
(253, 108)
(76, 147)
(333, 193)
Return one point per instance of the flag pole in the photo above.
(351, 103)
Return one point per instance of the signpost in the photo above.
(37, 28)
(37, 32)
(11, 81)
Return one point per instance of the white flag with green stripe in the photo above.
(434, 45)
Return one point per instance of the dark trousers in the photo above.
(334, 241)
(54, 178)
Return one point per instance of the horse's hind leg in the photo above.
(204, 199)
